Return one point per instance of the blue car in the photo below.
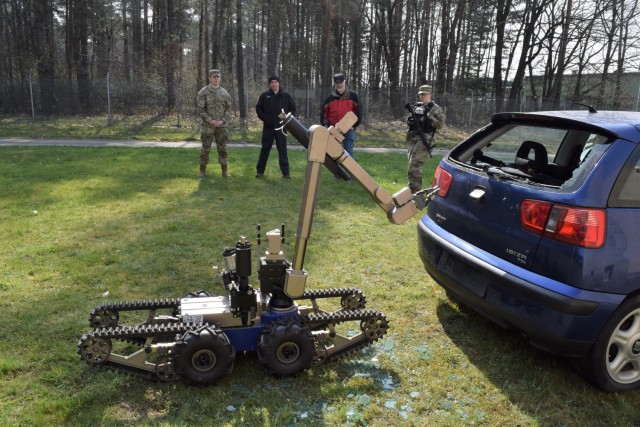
(536, 225)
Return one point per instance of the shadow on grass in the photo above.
(542, 385)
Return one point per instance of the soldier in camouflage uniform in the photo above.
(430, 117)
(213, 105)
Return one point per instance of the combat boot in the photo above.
(225, 172)
(203, 169)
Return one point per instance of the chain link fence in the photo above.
(39, 99)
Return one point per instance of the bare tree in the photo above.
(386, 47)
(202, 54)
(586, 49)
(628, 16)
(240, 64)
(424, 52)
(611, 25)
(43, 47)
(325, 50)
(386, 23)
(529, 48)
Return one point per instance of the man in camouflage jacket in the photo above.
(430, 117)
(213, 105)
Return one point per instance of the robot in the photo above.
(196, 338)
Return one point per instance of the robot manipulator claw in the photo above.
(423, 197)
(406, 205)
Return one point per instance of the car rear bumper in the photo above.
(556, 317)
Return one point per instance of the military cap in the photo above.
(337, 78)
(425, 89)
(214, 73)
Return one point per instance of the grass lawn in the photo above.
(83, 226)
(170, 127)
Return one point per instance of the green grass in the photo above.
(170, 127)
(84, 226)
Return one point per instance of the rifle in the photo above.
(423, 137)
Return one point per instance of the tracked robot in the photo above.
(196, 338)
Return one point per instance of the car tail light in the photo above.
(577, 226)
(442, 179)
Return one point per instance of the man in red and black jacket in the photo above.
(339, 103)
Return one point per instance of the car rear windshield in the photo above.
(537, 155)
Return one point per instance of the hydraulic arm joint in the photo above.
(326, 143)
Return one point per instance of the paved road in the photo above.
(5, 142)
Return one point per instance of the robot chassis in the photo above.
(198, 339)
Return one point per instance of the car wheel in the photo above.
(614, 361)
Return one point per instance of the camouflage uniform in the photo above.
(431, 117)
(213, 104)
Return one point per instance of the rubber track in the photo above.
(128, 333)
(330, 293)
(320, 320)
(137, 305)
(174, 303)
(146, 331)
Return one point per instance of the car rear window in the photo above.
(538, 155)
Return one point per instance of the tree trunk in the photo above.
(423, 45)
(136, 38)
(454, 43)
(45, 54)
(273, 34)
(170, 47)
(126, 59)
(325, 44)
(531, 21)
(556, 91)
(240, 65)
(502, 13)
(441, 72)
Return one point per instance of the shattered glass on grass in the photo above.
(370, 368)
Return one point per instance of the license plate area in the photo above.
(470, 278)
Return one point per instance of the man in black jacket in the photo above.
(270, 104)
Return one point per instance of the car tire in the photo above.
(613, 363)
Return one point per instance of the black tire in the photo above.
(203, 357)
(286, 348)
(613, 363)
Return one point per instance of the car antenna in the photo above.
(590, 107)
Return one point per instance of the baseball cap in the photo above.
(425, 89)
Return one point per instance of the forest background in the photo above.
(131, 57)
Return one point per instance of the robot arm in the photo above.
(324, 144)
